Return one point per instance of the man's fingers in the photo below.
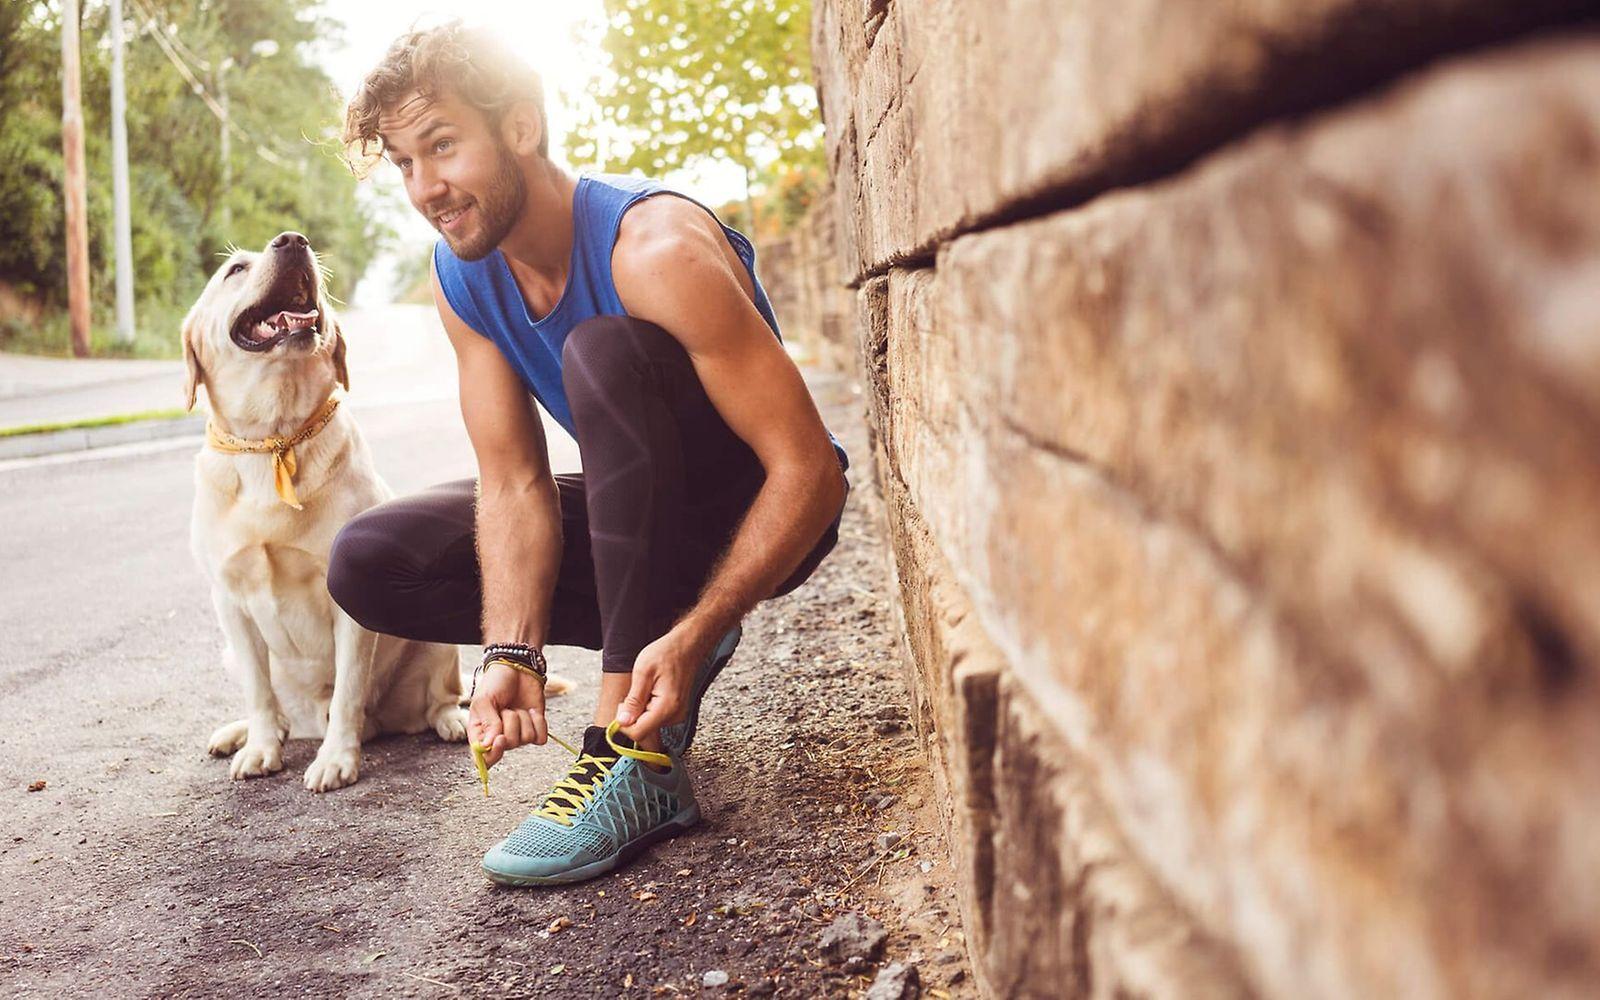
(511, 721)
(541, 729)
(633, 706)
(483, 723)
(657, 713)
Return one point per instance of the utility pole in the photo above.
(749, 199)
(119, 181)
(76, 193)
(227, 140)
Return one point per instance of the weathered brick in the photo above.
(1350, 723)
(961, 111)
(1055, 903)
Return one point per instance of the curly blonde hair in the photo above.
(468, 63)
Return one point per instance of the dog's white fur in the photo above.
(307, 668)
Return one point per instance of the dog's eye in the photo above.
(235, 269)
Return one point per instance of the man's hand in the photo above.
(663, 674)
(507, 712)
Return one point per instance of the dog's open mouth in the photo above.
(264, 327)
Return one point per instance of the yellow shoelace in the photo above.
(574, 792)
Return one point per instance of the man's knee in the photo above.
(356, 573)
(605, 354)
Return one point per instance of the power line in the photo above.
(166, 46)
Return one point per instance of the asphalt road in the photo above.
(139, 869)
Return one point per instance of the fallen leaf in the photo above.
(644, 895)
(373, 957)
(689, 920)
(556, 970)
(685, 871)
(37, 786)
(627, 981)
(558, 925)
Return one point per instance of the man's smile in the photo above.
(447, 219)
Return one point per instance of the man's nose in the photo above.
(429, 184)
(289, 239)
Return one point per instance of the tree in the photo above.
(282, 171)
(692, 80)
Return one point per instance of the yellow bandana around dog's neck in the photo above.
(282, 448)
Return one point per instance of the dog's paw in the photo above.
(228, 738)
(255, 760)
(451, 724)
(555, 684)
(334, 767)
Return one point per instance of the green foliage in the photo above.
(787, 192)
(693, 80)
(187, 204)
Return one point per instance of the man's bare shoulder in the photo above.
(662, 221)
(666, 236)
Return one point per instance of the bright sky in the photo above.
(543, 31)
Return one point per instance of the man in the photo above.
(709, 481)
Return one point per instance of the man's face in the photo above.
(458, 173)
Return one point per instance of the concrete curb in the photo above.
(84, 438)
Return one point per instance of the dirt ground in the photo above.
(139, 869)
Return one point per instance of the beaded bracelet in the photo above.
(521, 652)
(518, 656)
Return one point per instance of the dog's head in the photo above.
(262, 315)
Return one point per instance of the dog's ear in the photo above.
(340, 370)
(194, 374)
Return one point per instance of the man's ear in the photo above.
(522, 128)
(340, 371)
(194, 375)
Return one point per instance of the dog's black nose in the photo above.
(289, 239)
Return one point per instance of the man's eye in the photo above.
(443, 144)
(235, 269)
(404, 165)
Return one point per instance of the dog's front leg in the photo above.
(265, 725)
(338, 761)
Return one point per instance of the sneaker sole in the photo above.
(695, 696)
(683, 822)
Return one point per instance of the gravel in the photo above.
(259, 888)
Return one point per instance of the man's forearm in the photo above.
(771, 542)
(519, 556)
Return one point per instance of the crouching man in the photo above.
(709, 482)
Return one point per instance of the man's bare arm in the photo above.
(670, 268)
(517, 517)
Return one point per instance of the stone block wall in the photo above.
(815, 307)
(1234, 378)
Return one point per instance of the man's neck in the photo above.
(540, 241)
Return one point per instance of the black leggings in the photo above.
(664, 487)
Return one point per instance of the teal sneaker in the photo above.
(676, 738)
(607, 810)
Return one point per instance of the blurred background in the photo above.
(234, 109)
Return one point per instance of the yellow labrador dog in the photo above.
(284, 467)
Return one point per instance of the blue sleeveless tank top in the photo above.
(485, 295)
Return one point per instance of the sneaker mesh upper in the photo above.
(538, 839)
(628, 805)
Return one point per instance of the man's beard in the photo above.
(498, 210)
